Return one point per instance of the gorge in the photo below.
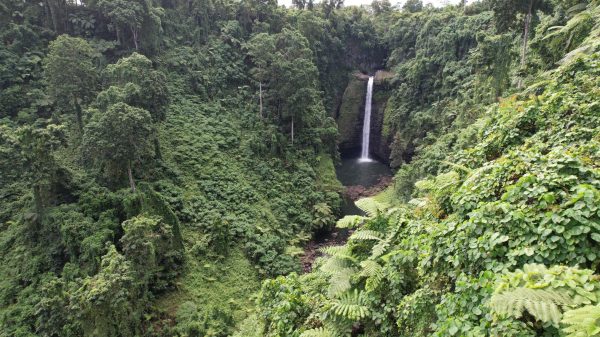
(239, 168)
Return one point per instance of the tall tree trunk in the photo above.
(78, 115)
(292, 129)
(37, 200)
(53, 18)
(157, 152)
(526, 40)
(260, 102)
(130, 174)
(135, 37)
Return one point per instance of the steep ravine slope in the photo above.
(502, 241)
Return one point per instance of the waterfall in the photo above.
(367, 122)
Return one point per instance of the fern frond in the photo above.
(374, 273)
(457, 166)
(369, 268)
(341, 252)
(419, 202)
(318, 332)
(582, 322)
(340, 281)
(351, 305)
(543, 304)
(387, 197)
(394, 215)
(333, 265)
(350, 221)
(365, 234)
(379, 249)
(370, 206)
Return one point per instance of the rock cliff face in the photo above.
(351, 114)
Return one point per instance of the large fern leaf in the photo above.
(340, 252)
(582, 322)
(318, 332)
(365, 234)
(351, 305)
(545, 305)
(370, 206)
(333, 265)
(373, 272)
(340, 281)
(350, 221)
(379, 249)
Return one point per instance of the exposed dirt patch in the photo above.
(357, 192)
(335, 237)
(339, 236)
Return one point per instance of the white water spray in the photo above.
(367, 122)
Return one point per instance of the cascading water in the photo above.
(367, 122)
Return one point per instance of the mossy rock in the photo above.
(351, 113)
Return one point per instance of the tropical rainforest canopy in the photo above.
(163, 164)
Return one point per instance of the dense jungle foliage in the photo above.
(164, 162)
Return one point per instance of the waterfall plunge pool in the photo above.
(354, 171)
(357, 175)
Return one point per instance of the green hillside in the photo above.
(164, 165)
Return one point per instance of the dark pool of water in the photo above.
(354, 172)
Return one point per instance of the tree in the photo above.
(506, 13)
(300, 4)
(132, 80)
(29, 152)
(109, 303)
(118, 139)
(150, 245)
(381, 6)
(131, 14)
(413, 6)
(261, 49)
(125, 13)
(70, 74)
(284, 63)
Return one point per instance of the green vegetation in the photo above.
(492, 229)
(164, 163)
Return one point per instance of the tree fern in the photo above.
(544, 304)
(365, 234)
(318, 332)
(379, 249)
(419, 202)
(373, 272)
(339, 266)
(386, 198)
(340, 252)
(333, 265)
(339, 282)
(350, 221)
(370, 206)
(582, 322)
(351, 305)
